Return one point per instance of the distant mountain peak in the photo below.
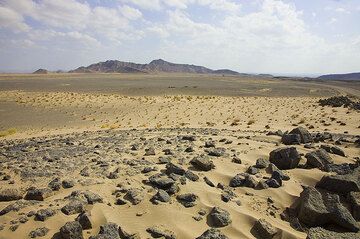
(158, 61)
(155, 66)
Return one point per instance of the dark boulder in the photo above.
(38, 194)
(318, 159)
(318, 209)
(187, 200)
(263, 230)
(285, 158)
(305, 136)
(321, 233)
(108, 231)
(290, 139)
(212, 233)
(219, 217)
(202, 163)
(71, 230)
(10, 194)
(342, 184)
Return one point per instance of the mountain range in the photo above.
(349, 76)
(155, 66)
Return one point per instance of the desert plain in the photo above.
(174, 155)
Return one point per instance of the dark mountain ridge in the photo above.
(155, 66)
(349, 76)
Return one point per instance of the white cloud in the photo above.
(130, 13)
(12, 20)
(342, 10)
(333, 20)
(145, 4)
(222, 5)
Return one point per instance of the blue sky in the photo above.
(302, 37)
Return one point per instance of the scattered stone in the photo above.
(236, 160)
(134, 195)
(39, 232)
(209, 144)
(55, 184)
(150, 151)
(161, 196)
(252, 170)
(262, 163)
(187, 200)
(189, 138)
(191, 176)
(333, 150)
(208, 182)
(173, 168)
(44, 214)
(243, 180)
(216, 152)
(66, 183)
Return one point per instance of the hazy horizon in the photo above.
(279, 37)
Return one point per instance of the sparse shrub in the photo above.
(8, 132)
(250, 122)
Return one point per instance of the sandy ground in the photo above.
(242, 112)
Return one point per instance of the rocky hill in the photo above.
(349, 76)
(40, 71)
(155, 66)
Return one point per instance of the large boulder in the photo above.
(187, 199)
(202, 163)
(73, 207)
(161, 232)
(321, 233)
(243, 180)
(212, 233)
(219, 217)
(285, 158)
(38, 194)
(263, 230)
(71, 230)
(318, 209)
(354, 199)
(305, 136)
(290, 139)
(342, 184)
(108, 231)
(318, 159)
(10, 194)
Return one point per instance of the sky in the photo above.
(294, 37)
